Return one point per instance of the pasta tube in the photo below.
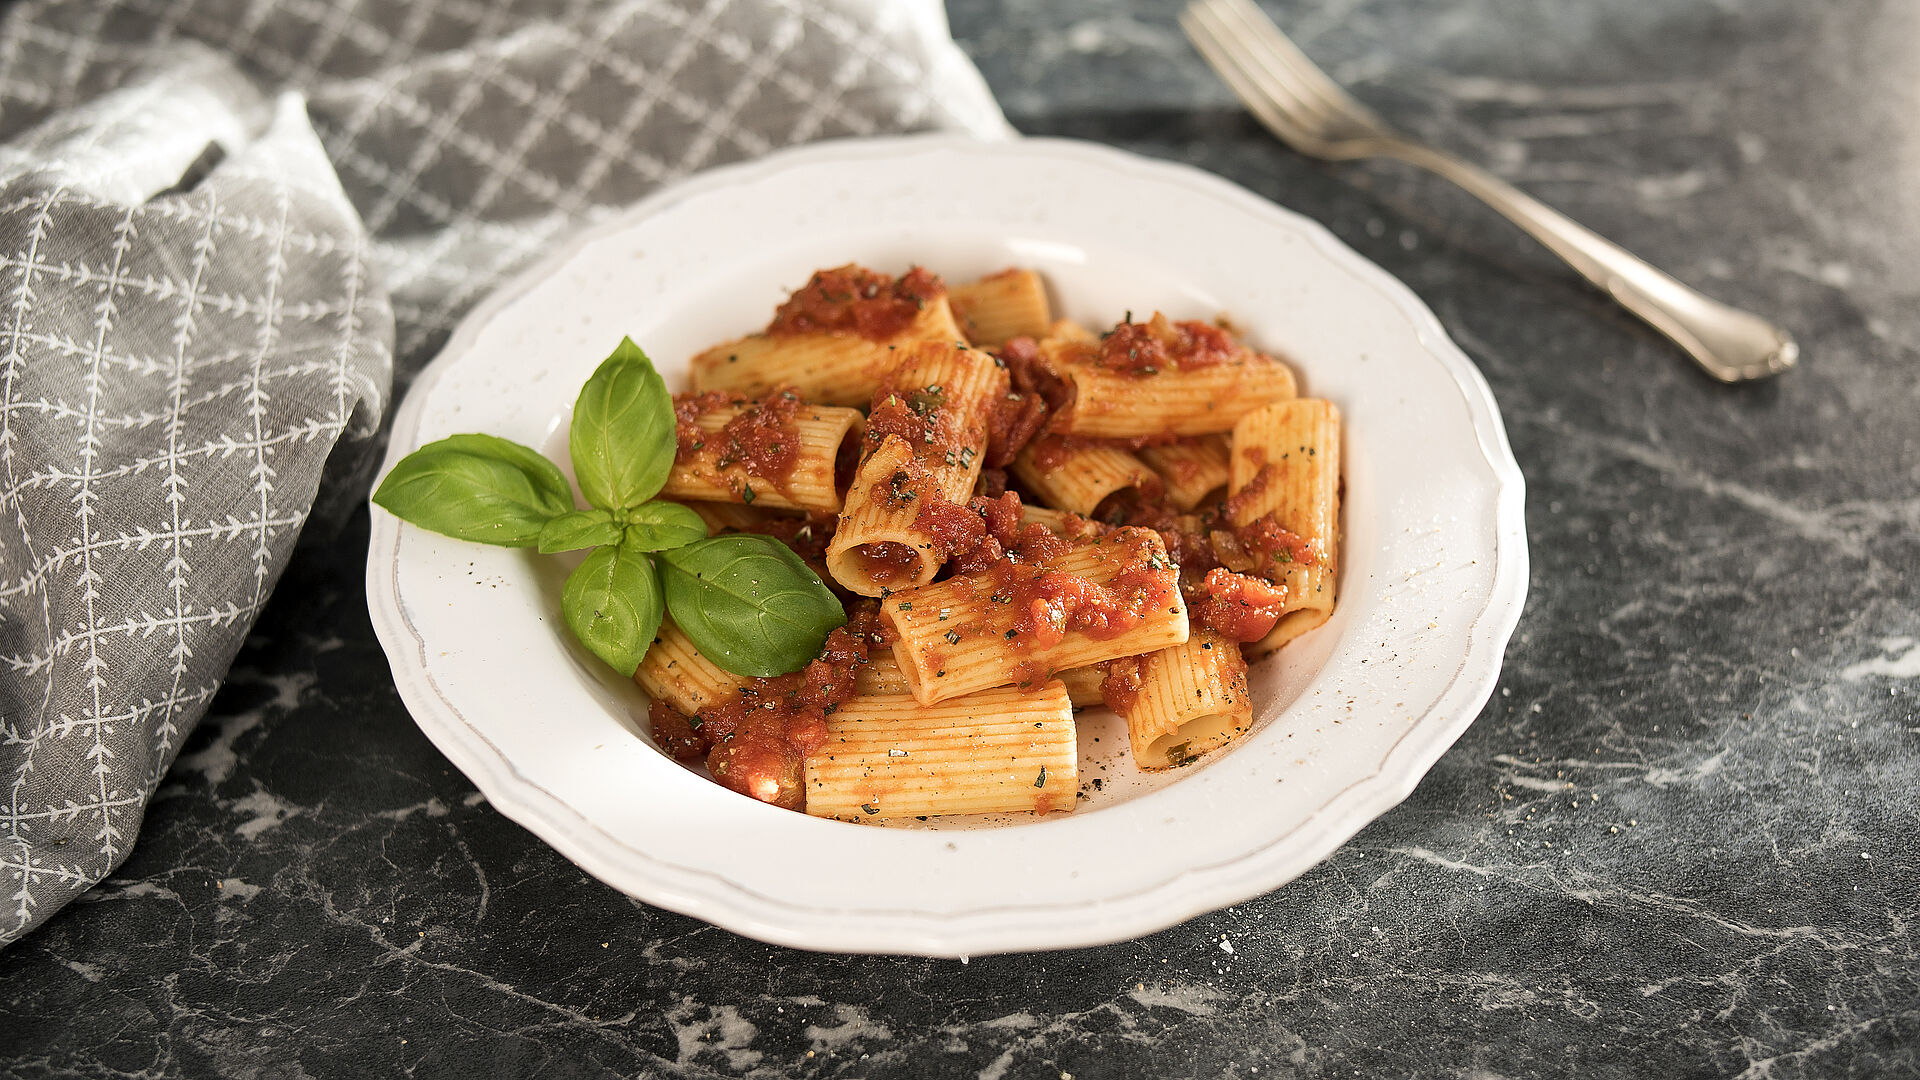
(1286, 465)
(880, 675)
(1078, 476)
(1017, 624)
(834, 340)
(674, 671)
(1009, 304)
(1163, 377)
(782, 454)
(1192, 469)
(927, 430)
(1083, 684)
(1182, 701)
(890, 756)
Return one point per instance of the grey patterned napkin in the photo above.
(226, 224)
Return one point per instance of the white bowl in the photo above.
(1434, 557)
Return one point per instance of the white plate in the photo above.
(1434, 557)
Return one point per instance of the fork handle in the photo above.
(1731, 344)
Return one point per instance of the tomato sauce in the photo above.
(1014, 422)
(1266, 543)
(950, 526)
(1149, 348)
(758, 742)
(1046, 605)
(1238, 503)
(1227, 572)
(1238, 607)
(689, 437)
(1188, 537)
(928, 422)
(760, 441)
(855, 300)
(888, 563)
(1030, 372)
(1120, 687)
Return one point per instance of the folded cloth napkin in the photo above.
(226, 225)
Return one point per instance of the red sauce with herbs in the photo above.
(1188, 537)
(761, 440)
(1149, 348)
(1046, 605)
(1013, 422)
(854, 300)
(1031, 373)
(1238, 607)
(923, 417)
(1120, 687)
(757, 743)
(889, 563)
(690, 438)
(950, 527)
(1267, 543)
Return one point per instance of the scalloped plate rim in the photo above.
(982, 930)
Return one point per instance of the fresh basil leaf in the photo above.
(477, 487)
(613, 603)
(749, 603)
(579, 529)
(657, 526)
(622, 438)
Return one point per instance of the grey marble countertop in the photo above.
(1680, 840)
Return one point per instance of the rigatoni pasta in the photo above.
(674, 671)
(889, 756)
(928, 431)
(1018, 624)
(775, 453)
(1182, 701)
(1286, 472)
(1193, 469)
(1009, 304)
(1083, 684)
(1078, 476)
(1168, 507)
(1163, 378)
(833, 340)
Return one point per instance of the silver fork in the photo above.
(1309, 112)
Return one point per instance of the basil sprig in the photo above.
(746, 600)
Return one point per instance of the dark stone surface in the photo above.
(1679, 842)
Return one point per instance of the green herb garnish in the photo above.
(746, 601)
